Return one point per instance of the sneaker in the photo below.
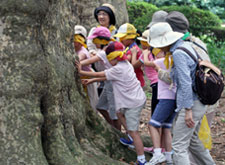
(139, 163)
(131, 146)
(126, 142)
(157, 159)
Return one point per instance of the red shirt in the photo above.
(138, 71)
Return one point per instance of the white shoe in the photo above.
(157, 159)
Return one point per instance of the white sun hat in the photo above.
(162, 35)
(78, 29)
(144, 36)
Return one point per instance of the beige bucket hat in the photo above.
(162, 35)
(144, 36)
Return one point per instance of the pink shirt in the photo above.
(138, 71)
(165, 91)
(127, 90)
(84, 51)
(150, 72)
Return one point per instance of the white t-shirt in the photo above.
(165, 91)
(127, 89)
(104, 64)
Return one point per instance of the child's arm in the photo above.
(90, 60)
(136, 63)
(81, 56)
(89, 74)
(147, 62)
(92, 80)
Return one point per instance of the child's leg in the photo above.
(117, 124)
(105, 114)
(122, 119)
(137, 142)
(156, 136)
(167, 138)
(132, 122)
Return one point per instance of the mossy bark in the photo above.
(44, 116)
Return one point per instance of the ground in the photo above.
(217, 130)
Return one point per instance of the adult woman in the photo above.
(190, 109)
(105, 16)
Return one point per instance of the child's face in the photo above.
(77, 46)
(113, 62)
(98, 46)
(127, 43)
(145, 47)
(160, 54)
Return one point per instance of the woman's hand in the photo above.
(189, 118)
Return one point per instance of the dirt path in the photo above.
(217, 130)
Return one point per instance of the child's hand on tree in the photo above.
(87, 81)
(78, 66)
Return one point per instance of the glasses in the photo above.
(102, 14)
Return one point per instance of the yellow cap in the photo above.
(126, 29)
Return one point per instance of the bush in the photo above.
(140, 14)
(200, 22)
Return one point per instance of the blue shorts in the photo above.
(164, 114)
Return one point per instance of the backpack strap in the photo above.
(190, 54)
(200, 47)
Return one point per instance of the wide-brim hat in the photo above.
(126, 29)
(162, 35)
(109, 9)
(144, 36)
(158, 16)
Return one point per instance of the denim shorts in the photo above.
(164, 114)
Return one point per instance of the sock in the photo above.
(131, 139)
(168, 156)
(141, 158)
(157, 151)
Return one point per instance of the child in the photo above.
(129, 96)
(151, 74)
(106, 105)
(127, 34)
(163, 115)
(80, 34)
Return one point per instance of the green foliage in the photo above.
(215, 6)
(216, 51)
(140, 14)
(219, 34)
(200, 22)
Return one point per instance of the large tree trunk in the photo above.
(44, 116)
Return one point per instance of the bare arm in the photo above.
(89, 74)
(90, 60)
(147, 62)
(136, 63)
(92, 80)
(81, 56)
